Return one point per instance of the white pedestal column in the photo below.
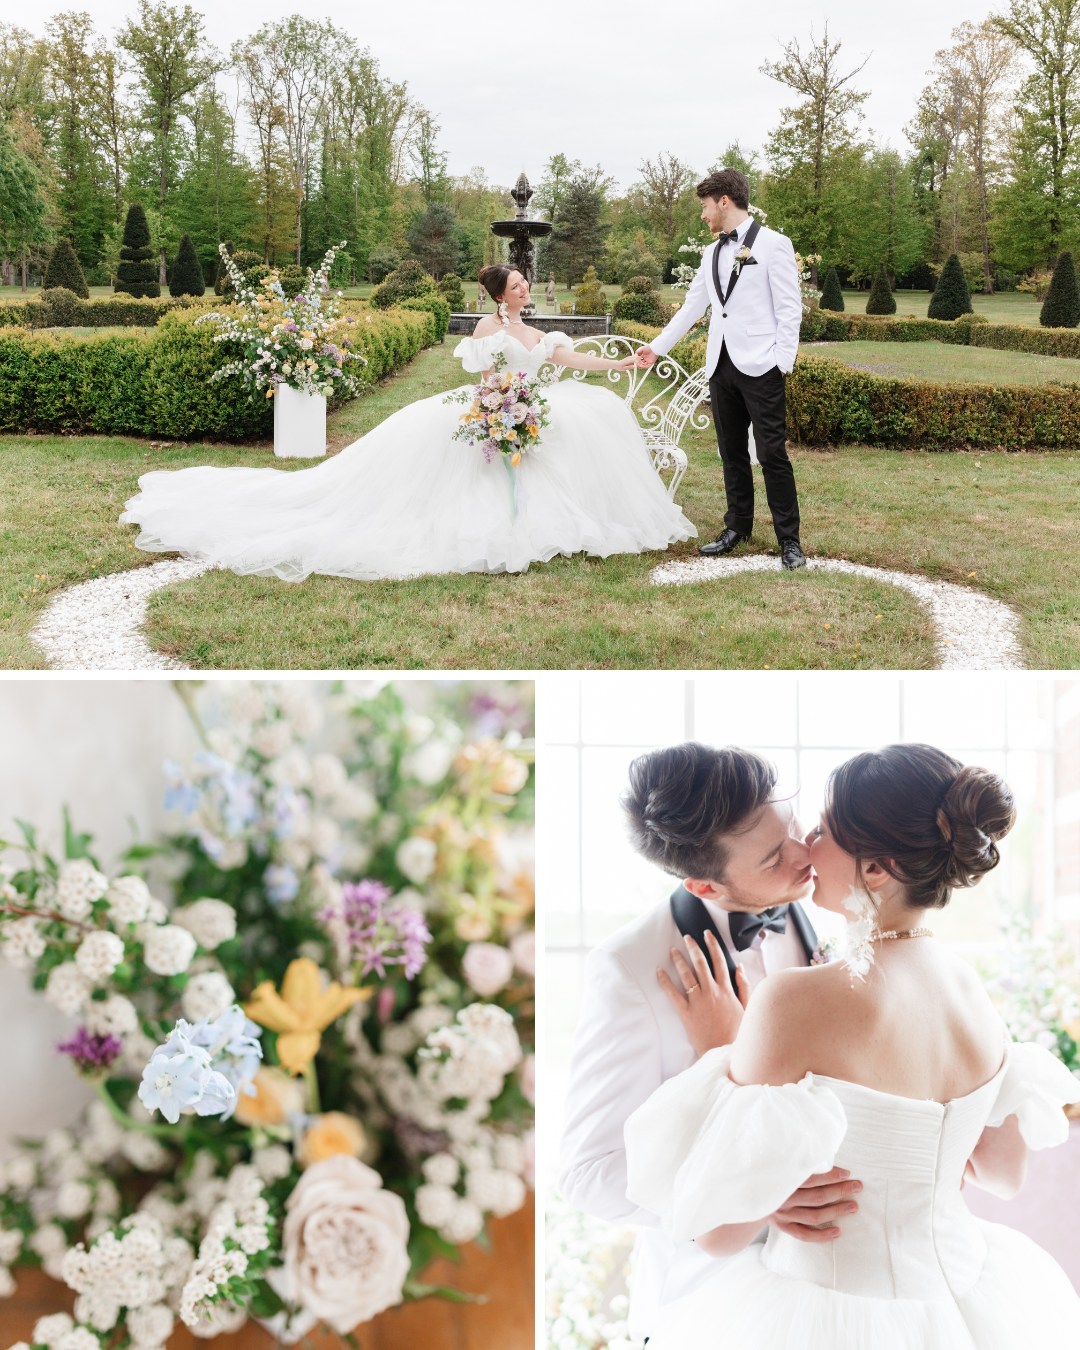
(299, 424)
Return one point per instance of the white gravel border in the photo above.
(97, 625)
(973, 632)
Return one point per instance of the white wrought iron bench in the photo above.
(674, 398)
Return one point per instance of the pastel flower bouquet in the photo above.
(505, 416)
(313, 1069)
(300, 341)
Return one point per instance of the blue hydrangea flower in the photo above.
(282, 883)
(185, 1081)
(232, 1043)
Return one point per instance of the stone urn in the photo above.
(299, 424)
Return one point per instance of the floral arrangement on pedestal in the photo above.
(1035, 983)
(314, 1068)
(588, 1266)
(300, 341)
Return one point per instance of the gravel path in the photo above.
(973, 631)
(97, 625)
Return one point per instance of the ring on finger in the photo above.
(693, 989)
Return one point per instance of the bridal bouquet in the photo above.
(313, 1069)
(505, 416)
(299, 341)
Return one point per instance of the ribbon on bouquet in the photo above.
(511, 469)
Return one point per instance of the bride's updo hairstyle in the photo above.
(929, 820)
(494, 279)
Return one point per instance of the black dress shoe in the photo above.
(724, 543)
(791, 555)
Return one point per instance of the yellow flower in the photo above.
(269, 393)
(515, 458)
(533, 431)
(301, 1012)
(511, 435)
(1073, 1029)
(277, 1094)
(330, 1134)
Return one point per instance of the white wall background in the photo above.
(97, 747)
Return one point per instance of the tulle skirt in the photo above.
(407, 500)
(1022, 1301)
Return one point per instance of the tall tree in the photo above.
(434, 238)
(1048, 31)
(172, 62)
(814, 132)
(664, 187)
(23, 203)
(577, 236)
(429, 162)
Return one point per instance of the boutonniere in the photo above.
(743, 258)
(822, 953)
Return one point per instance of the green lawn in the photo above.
(1002, 523)
(943, 361)
(1008, 307)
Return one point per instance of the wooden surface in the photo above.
(503, 1322)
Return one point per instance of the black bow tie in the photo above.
(744, 928)
(732, 235)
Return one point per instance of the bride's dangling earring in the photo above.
(504, 313)
(855, 947)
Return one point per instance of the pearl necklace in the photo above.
(901, 933)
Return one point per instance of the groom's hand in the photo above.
(708, 1010)
(812, 1212)
(646, 357)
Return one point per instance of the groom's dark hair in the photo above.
(726, 183)
(683, 800)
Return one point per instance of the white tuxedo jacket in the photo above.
(629, 1040)
(761, 319)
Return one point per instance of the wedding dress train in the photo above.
(406, 499)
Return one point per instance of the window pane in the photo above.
(746, 709)
(855, 711)
(949, 712)
(557, 708)
(645, 712)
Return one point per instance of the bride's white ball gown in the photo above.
(406, 499)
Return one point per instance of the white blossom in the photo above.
(67, 988)
(98, 955)
(210, 922)
(78, 886)
(111, 1016)
(22, 942)
(128, 899)
(416, 858)
(168, 949)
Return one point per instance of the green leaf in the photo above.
(414, 1289)
(76, 845)
(28, 833)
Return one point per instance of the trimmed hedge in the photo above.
(65, 270)
(1061, 308)
(830, 403)
(123, 311)
(435, 305)
(157, 383)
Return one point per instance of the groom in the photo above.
(752, 345)
(711, 817)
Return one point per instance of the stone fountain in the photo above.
(522, 230)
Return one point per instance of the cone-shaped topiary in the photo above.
(1061, 308)
(589, 298)
(137, 273)
(452, 291)
(65, 270)
(951, 296)
(832, 297)
(881, 297)
(187, 277)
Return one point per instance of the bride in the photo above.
(406, 499)
(892, 1064)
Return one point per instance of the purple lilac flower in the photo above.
(92, 1053)
(380, 934)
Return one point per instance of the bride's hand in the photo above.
(707, 1008)
(627, 363)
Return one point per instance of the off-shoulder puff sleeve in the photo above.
(553, 340)
(477, 354)
(703, 1151)
(1034, 1088)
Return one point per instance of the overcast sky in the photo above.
(611, 83)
